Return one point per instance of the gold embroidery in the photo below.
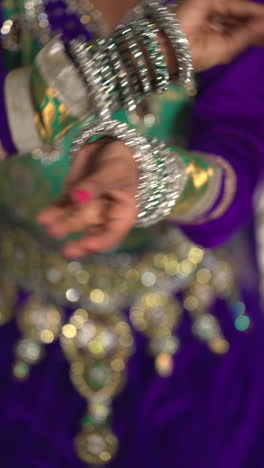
(51, 116)
(202, 188)
(229, 191)
(97, 340)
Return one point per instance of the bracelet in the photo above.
(147, 33)
(125, 92)
(120, 37)
(173, 180)
(140, 146)
(118, 69)
(167, 22)
(127, 39)
(99, 54)
(115, 71)
(98, 92)
(162, 175)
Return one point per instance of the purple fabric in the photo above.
(62, 21)
(228, 120)
(66, 22)
(210, 412)
(5, 134)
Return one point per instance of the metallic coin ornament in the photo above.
(155, 314)
(97, 378)
(98, 347)
(40, 321)
(96, 446)
(29, 351)
(93, 335)
(40, 324)
(97, 339)
(11, 33)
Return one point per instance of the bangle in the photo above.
(167, 22)
(162, 174)
(147, 33)
(125, 93)
(128, 41)
(171, 182)
(121, 39)
(117, 70)
(148, 177)
(98, 92)
(100, 55)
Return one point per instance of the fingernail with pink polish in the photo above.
(82, 196)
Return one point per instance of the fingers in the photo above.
(68, 200)
(105, 239)
(83, 162)
(106, 220)
(73, 216)
(102, 204)
(244, 9)
(50, 215)
(119, 219)
(242, 26)
(77, 219)
(80, 164)
(242, 38)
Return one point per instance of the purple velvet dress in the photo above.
(210, 412)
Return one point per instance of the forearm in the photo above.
(58, 96)
(35, 111)
(242, 155)
(209, 190)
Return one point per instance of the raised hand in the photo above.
(218, 30)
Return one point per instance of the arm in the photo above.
(227, 120)
(211, 42)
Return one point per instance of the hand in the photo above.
(106, 171)
(218, 30)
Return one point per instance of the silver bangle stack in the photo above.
(98, 92)
(120, 71)
(162, 174)
(126, 98)
(148, 37)
(131, 57)
(168, 24)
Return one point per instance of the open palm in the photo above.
(107, 172)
